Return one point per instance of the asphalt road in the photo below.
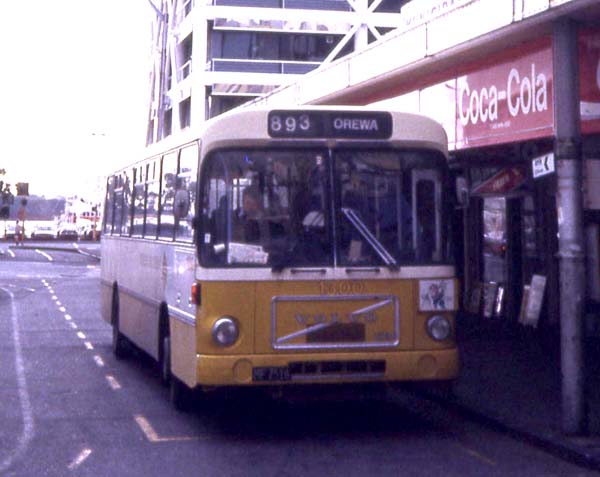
(68, 407)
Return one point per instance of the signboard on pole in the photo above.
(543, 165)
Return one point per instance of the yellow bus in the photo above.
(284, 248)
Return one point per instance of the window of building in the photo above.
(274, 46)
(185, 113)
(168, 123)
(221, 104)
(185, 57)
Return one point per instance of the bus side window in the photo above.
(127, 192)
(152, 199)
(118, 206)
(169, 179)
(139, 202)
(185, 194)
(109, 205)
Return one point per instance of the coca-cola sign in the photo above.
(507, 101)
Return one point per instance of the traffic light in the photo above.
(22, 188)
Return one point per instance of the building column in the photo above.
(571, 241)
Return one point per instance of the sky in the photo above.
(75, 91)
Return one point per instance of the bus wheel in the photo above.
(119, 342)
(165, 361)
(180, 394)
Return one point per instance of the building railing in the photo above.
(262, 66)
(186, 69)
(338, 5)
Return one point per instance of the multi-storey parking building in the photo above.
(212, 55)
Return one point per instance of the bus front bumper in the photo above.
(247, 370)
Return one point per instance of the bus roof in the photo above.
(249, 126)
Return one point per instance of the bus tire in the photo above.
(119, 342)
(164, 361)
(179, 394)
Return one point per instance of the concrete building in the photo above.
(212, 55)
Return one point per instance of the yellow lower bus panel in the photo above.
(327, 368)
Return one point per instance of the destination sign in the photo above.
(330, 124)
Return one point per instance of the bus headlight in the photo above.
(439, 327)
(225, 331)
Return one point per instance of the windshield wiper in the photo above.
(370, 238)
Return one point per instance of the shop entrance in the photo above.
(511, 248)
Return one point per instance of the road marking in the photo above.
(152, 435)
(80, 335)
(11, 253)
(98, 361)
(73, 325)
(112, 382)
(45, 255)
(62, 309)
(68, 317)
(89, 345)
(477, 455)
(28, 429)
(58, 303)
(80, 459)
(54, 297)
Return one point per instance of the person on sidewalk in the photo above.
(20, 225)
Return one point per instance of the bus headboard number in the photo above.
(292, 124)
(325, 124)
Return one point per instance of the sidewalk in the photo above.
(511, 379)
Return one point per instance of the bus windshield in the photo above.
(320, 208)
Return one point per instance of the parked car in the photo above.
(45, 230)
(67, 231)
(10, 230)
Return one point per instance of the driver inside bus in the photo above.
(247, 220)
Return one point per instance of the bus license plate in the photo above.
(271, 373)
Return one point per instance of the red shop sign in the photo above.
(508, 101)
(503, 182)
(589, 80)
